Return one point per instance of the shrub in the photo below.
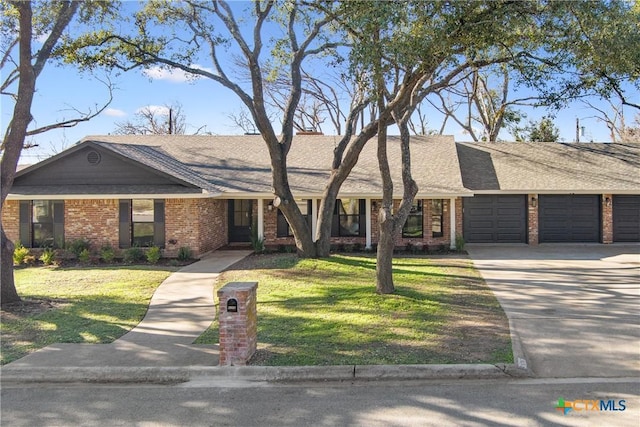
(84, 256)
(459, 243)
(78, 246)
(48, 256)
(257, 242)
(184, 253)
(133, 254)
(107, 254)
(153, 254)
(20, 254)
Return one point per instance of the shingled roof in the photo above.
(240, 165)
(514, 167)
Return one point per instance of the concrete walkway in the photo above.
(180, 310)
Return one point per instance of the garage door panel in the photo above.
(569, 218)
(626, 218)
(495, 219)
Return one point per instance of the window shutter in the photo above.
(25, 223)
(158, 223)
(58, 223)
(125, 224)
(362, 208)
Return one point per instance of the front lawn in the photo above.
(76, 305)
(326, 312)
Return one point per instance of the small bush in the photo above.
(20, 254)
(84, 256)
(78, 246)
(153, 254)
(257, 242)
(107, 254)
(48, 256)
(184, 253)
(133, 255)
(459, 243)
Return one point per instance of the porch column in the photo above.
(314, 219)
(368, 223)
(261, 218)
(452, 223)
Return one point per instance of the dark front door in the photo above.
(495, 219)
(569, 218)
(240, 219)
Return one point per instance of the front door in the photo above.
(240, 219)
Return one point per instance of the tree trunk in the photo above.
(391, 223)
(9, 293)
(14, 141)
(384, 254)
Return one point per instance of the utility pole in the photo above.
(577, 129)
(170, 121)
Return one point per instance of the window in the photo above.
(348, 218)
(283, 229)
(42, 223)
(413, 226)
(436, 218)
(141, 223)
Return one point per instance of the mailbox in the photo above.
(232, 305)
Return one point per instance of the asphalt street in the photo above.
(206, 402)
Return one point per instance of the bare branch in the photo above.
(84, 117)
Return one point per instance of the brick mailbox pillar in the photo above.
(238, 322)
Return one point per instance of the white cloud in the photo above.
(172, 75)
(160, 110)
(114, 112)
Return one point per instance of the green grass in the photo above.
(76, 305)
(326, 312)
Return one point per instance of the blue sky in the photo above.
(204, 102)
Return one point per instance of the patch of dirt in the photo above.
(30, 307)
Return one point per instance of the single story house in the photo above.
(206, 192)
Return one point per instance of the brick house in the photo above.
(205, 192)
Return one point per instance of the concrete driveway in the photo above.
(576, 308)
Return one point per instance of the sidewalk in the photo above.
(160, 349)
(180, 310)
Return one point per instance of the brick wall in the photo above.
(607, 218)
(199, 224)
(459, 217)
(11, 219)
(94, 220)
(532, 219)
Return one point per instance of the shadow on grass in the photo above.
(76, 320)
(320, 312)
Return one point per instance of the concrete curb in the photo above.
(167, 375)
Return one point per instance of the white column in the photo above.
(314, 218)
(452, 222)
(368, 225)
(261, 218)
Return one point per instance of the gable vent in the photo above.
(93, 157)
